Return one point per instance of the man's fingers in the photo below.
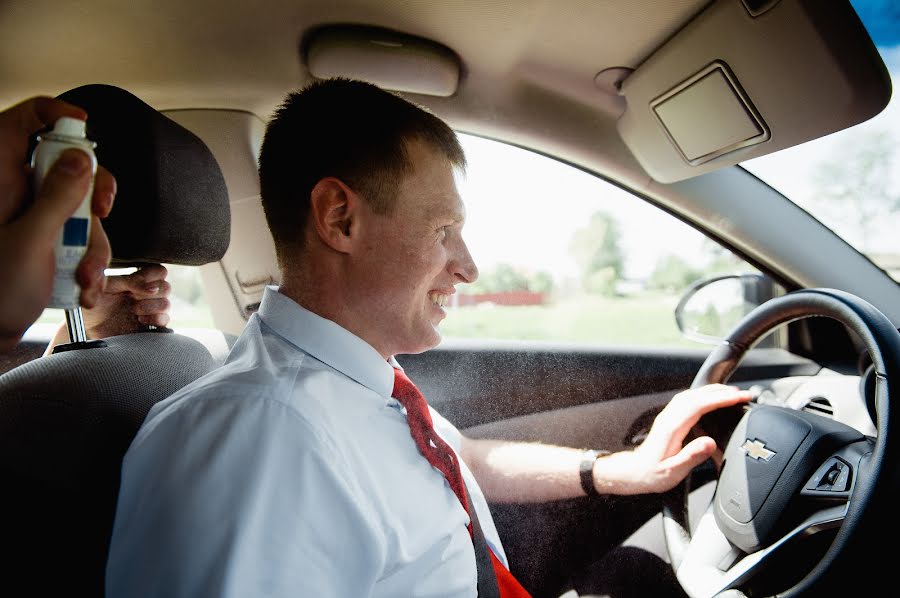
(691, 455)
(104, 193)
(709, 398)
(17, 125)
(724, 397)
(158, 320)
(684, 411)
(157, 289)
(150, 275)
(34, 114)
(62, 191)
(152, 289)
(118, 284)
(89, 274)
(148, 307)
(147, 283)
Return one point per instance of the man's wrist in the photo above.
(586, 470)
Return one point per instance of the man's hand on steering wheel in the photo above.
(662, 461)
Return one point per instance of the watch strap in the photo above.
(586, 470)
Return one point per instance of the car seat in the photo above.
(67, 419)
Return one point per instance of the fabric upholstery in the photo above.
(172, 202)
(66, 421)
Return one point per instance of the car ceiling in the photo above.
(178, 54)
(528, 66)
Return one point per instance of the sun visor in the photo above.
(389, 59)
(746, 78)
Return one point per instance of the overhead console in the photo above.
(388, 58)
(749, 77)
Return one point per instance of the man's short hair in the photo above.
(350, 130)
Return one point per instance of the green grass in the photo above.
(630, 321)
(636, 321)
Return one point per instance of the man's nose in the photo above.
(463, 266)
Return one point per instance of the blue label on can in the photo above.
(75, 232)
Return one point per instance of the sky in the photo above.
(791, 170)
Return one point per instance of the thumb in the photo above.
(691, 455)
(62, 191)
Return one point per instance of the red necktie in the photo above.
(441, 456)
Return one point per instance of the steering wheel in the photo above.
(788, 475)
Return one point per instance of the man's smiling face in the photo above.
(414, 256)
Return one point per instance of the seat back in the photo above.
(67, 419)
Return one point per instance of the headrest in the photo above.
(172, 202)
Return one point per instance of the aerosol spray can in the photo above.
(73, 239)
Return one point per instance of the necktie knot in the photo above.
(411, 398)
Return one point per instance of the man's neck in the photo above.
(325, 302)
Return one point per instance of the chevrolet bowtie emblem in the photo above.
(757, 450)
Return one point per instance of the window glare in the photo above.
(566, 256)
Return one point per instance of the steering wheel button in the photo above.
(843, 480)
(832, 476)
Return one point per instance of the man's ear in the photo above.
(333, 208)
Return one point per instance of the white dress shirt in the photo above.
(290, 471)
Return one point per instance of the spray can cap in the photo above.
(70, 127)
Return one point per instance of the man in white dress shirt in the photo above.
(291, 471)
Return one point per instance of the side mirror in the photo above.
(711, 307)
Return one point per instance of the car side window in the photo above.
(566, 256)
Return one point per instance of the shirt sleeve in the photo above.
(241, 497)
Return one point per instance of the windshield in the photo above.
(850, 180)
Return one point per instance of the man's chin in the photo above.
(433, 339)
(429, 340)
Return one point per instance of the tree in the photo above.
(672, 273)
(597, 250)
(541, 282)
(506, 277)
(720, 260)
(859, 182)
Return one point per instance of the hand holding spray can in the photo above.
(73, 239)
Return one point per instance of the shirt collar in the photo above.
(328, 342)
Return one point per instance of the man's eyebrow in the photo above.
(442, 215)
(456, 219)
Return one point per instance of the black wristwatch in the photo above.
(587, 470)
